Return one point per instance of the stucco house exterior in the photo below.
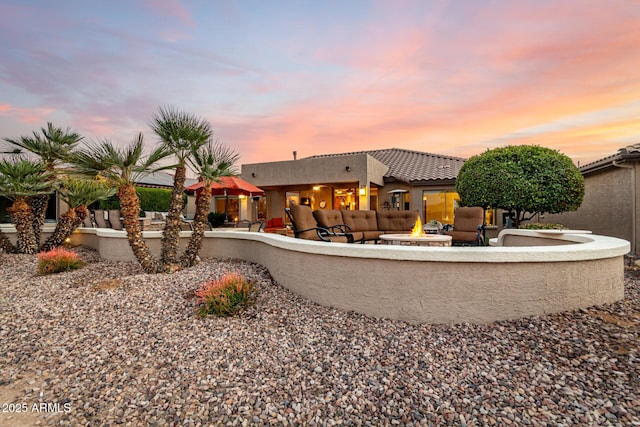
(391, 178)
(611, 204)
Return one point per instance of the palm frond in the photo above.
(24, 178)
(181, 132)
(213, 160)
(118, 165)
(52, 145)
(81, 192)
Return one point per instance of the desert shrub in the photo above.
(225, 296)
(541, 226)
(216, 219)
(57, 260)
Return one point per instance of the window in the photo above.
(440, 205)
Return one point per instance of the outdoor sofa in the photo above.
(367, 225)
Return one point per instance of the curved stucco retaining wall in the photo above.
(420, 284)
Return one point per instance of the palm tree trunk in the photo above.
(21, 217)
(171, 232)
(130, 209)
(6, 245)
(67, 223)
(39, 212)
(203, 201)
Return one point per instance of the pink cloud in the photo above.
(28, 116)
(172, 8)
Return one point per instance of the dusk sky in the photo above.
(446, 77)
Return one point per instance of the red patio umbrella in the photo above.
(229, 186)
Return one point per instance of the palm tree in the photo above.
(121, 168)
(21, 179)
(77, 193)
(210, 162)
(182, 134)
(52, 146)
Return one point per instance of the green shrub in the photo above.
(541, 226)
(57, 260)
(154, 199)
(111, 203)
(523, 180)
(225, 296)
(151, 199)
(216, 219)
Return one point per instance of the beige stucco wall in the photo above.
(421, 284)
(607, 207)
(294, 175)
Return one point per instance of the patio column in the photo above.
(244, 208)
(364, 191)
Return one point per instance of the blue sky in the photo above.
(447, 77)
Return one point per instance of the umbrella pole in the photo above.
(226, 206)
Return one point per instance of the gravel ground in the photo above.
(109, 345)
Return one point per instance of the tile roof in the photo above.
(412, 166)
(162, 179)
(635, 148)
(630, 152)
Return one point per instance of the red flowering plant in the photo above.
(57, 260)
(225, 296)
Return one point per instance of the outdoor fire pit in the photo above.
(422, 240)
(417, 237)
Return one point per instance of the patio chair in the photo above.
(114, 219)
(331, 219)
(468, 227)
(88, 221)
(305, 226)
(185, 226)
(98, 217)
(257, 226)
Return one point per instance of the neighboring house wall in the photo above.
(607, 208)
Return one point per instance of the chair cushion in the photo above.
(328, 218)
(396, 221)
(468, 219)
(304, 220)
(360, 220)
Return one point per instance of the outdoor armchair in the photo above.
(98, 217)
(305, 226)
(332, 220)
(114, 219)
(468, 226)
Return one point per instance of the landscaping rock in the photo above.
(108, 345)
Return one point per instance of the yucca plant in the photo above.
(78, 193)
(52, 145)
(181, 134)
(210, 162)
(121, 168)
(21, 179)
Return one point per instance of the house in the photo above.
(391, 178)
(611, 204)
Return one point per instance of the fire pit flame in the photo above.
(417, 229)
